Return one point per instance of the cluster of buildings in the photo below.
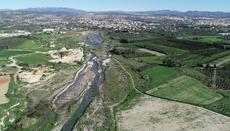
(15, 34)
(213, 21)
(118, 23)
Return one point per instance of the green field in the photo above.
(149, 59)
(67, 42)
(34, 59)
(161, 48)
(31, 45)
(222, 106)
(8, 53)
(190, 59)
(222, 61)
(188, 90)
(204, 39)
(116, 85)
(5, 54)
(160, 74)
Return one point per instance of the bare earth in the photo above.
(35, 75)
(4, 85)
(71, 56)
(153, 114)
(152, 52)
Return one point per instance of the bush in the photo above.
(170, 62)
(124, 41)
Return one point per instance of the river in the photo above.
(89, 96)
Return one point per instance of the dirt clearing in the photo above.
(4, 85)
(151, 52)
(162, 115)
(69, 56)
(35, 75)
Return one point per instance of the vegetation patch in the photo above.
(8, 53)
(31, 45)
(205, 39)
(188, 90)
(222, 106)
(116, 85)
(149, 59)
(160, 74)
(34, 59)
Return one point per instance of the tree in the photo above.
(170, 62)
(124, 40)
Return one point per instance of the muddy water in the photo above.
(4, 85)
(88, 97)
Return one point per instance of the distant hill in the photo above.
(51, 10)
(4, 10)
(188, 13)
(160, 12)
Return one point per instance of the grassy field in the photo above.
(8, 53)
(222, 61)
(149, 59)
(161, 48)
(5, 54)
(204, 39)
(31, 45)
(222, 106)
(193, 59)
(67, 42)
(188, 90)
(160, 74)
(34, 59)
(42, 38)
(116, 85)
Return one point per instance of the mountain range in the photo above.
(47, 10)
(160, 12)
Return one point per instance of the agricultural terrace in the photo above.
(205, 39)
(222, 61)
(186, 89)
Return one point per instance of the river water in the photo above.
(89, 96)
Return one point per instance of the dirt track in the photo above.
(161, 115)
(152, 52)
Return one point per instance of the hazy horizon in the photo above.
(122, 5)
(114, 10)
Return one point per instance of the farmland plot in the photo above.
(186, 89)
(162, 115)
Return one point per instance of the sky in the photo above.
(124, 5)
